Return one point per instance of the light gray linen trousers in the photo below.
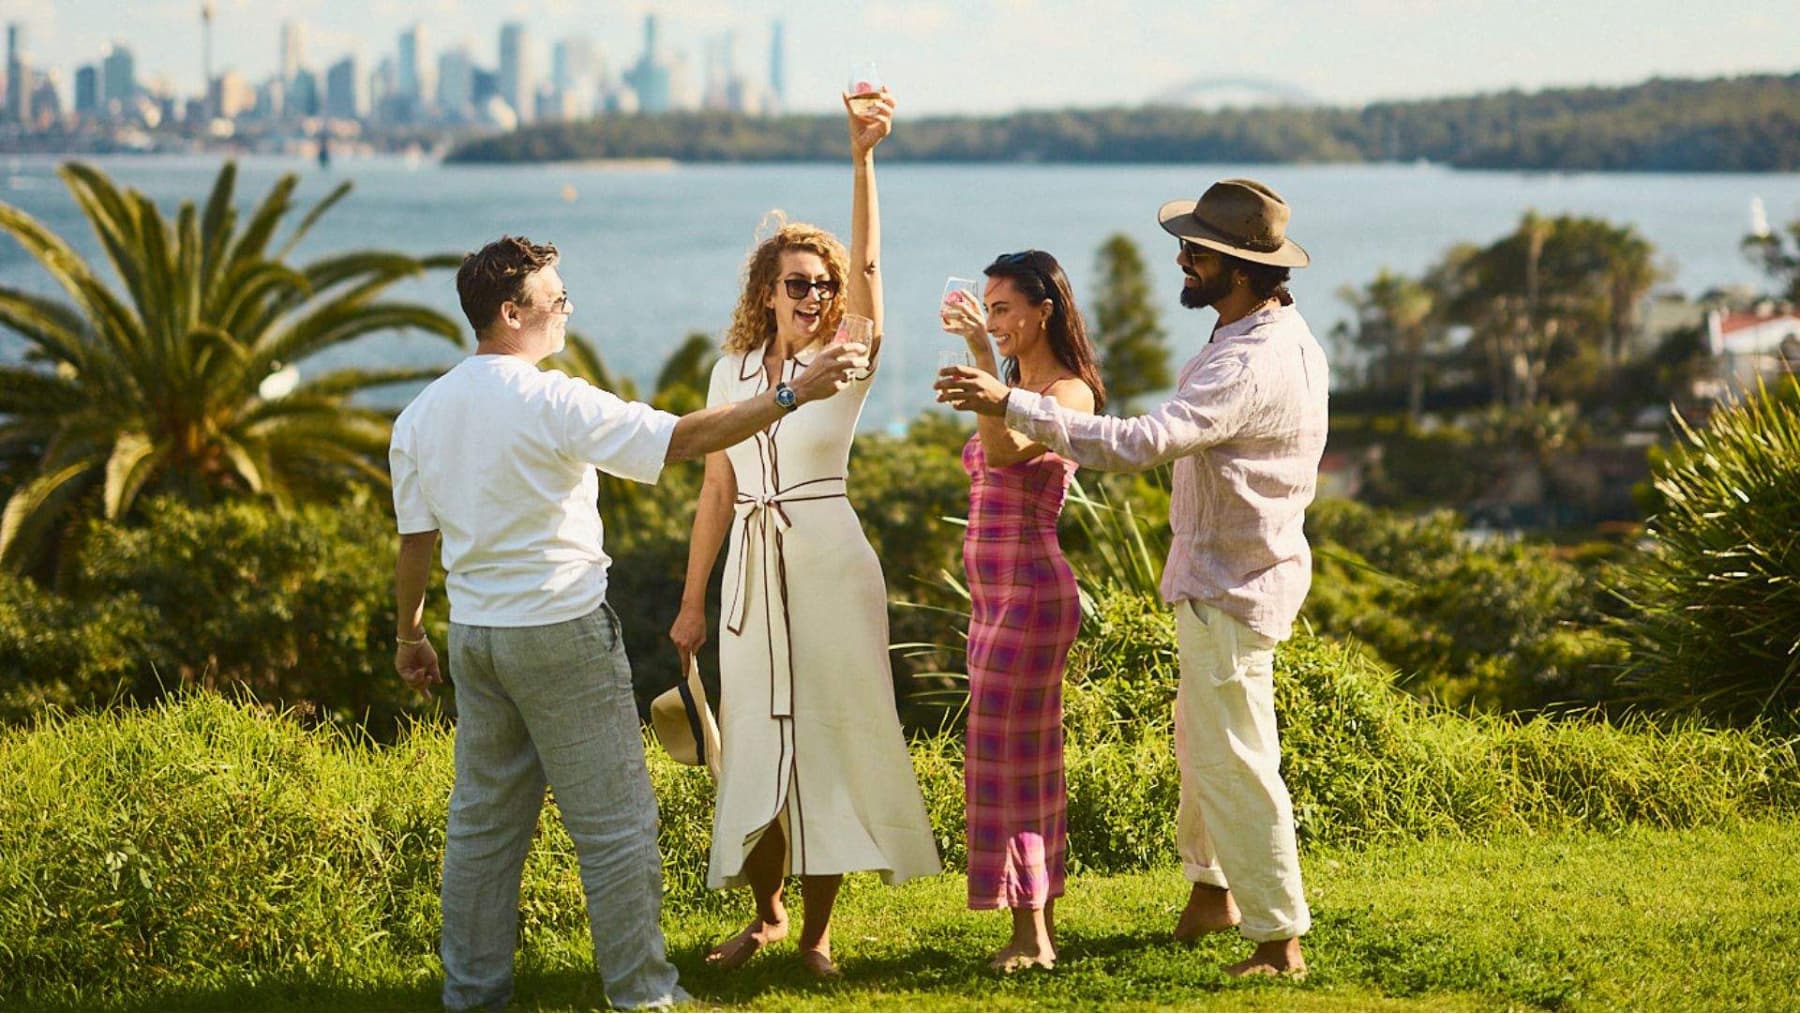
(550, 705)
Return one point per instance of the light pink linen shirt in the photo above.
(1245, 428)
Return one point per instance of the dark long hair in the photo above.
(1038, 277)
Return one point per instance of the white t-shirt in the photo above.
(500, 458)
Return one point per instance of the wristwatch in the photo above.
(785, 397)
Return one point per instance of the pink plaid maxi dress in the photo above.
(1024, 616)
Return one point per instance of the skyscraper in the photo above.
(345, 98)
(456, 83)
(232, 95)
(206, 74)
(650, 77)
(118, 76)
(410, 67)
(293, 46)
(18, 75)
(87, 90)
(303, 98)
(778, 63)
(517, 85)
(575, 73)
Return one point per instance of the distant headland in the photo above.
(1739, 124)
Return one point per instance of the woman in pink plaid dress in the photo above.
(1024, 607)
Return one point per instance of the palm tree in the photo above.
(1397, 324)
(174, 381)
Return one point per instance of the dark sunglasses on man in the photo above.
(797, 288)
(1195, 251)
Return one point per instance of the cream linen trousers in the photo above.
(1235, 816)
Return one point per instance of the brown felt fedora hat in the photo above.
(1243, 218)
(684, 724)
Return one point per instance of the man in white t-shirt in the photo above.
(498, 458)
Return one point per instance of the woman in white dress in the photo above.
(816, 780)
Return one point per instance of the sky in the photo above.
(989, 56)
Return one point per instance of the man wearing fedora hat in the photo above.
(1245, 430)
(500, 457)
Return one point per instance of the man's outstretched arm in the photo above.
(720, 426)
(1207, 410)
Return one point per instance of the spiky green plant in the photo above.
(157, 383)
(1123, 551)
(1713, 607)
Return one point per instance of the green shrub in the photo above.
(1122, 670)
(1504, 626)
(1408, 471)
(1364, 762)
(1122, 796)
(296, 606)
(57, 652)
(1713, 608)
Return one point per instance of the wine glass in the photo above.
(969, 290)
(864, 87)
(854, 327)
(948, 358)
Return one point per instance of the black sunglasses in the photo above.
(1194, 250)
(797, 288)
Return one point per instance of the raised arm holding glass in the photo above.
(1024, 606)
(816, 780)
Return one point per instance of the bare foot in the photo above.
(1277, 957)
(1209, 910)
(739, 949)
(819, 963)
(1003, 957)
(1014, 960)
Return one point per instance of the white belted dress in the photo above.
(810, 735)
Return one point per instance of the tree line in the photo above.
(1741, 124)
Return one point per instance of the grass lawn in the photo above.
(1657, 920)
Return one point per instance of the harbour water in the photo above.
(653, 252)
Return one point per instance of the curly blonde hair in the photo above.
(753, 323)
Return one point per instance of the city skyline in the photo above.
(403, 90)
(987, 56)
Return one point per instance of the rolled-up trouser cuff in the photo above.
(1281, 931)
(1211, 876)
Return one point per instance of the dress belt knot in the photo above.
(762, 521)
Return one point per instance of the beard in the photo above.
(1206, 293)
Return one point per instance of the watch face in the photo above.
(784, 396)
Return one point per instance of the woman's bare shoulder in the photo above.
(1073, 393)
